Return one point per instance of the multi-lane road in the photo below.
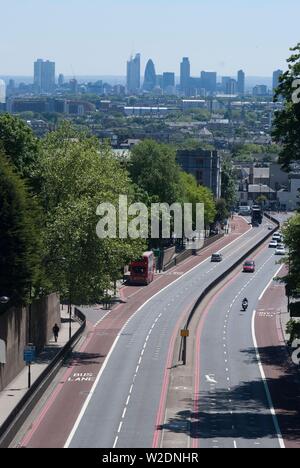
(233, 404)
(123, 403)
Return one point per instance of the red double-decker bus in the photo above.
(142, 271)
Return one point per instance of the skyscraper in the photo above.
(134, 74)
(44, 76)
(2, 92)
(169, 83)
(185, 76)
(241, 77)
(231, 87)
(276, 75)
(209, 81)
(150, 77)
(61, 80)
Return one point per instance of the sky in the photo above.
(96, 37)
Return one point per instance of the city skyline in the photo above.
(207, 34)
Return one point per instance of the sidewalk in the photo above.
(14, 392)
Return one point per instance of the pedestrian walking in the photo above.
(55, 330)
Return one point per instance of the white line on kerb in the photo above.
(269, 284)
(263, 376)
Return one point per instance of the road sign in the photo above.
(185, 333)
(29, 354)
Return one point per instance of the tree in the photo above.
(194, 193)
(20, 253)
(153, 167)
(19, 144)
(286, 129)
(229, 193)
(261, 200)
(77, 175)
(291, 233)
(222, 211)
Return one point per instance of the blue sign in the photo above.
(29, 354)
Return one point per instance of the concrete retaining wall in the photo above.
(14, 331)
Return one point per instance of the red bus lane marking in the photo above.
(60, 387)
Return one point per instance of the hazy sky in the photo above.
(96, 37)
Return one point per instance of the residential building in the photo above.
(204, 165)
(241, 78)
(289, 199)
(44, 76)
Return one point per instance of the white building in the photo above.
(2, 92)
(289, 199)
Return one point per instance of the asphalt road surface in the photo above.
(233, 408)
(121, 410)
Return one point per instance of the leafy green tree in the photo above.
(222, 210)
(194, 193)
(77, 175)
(19, 144)
(229, 192)
(293, 329)
(153, 167)
(20, 246)
(286, 130)
(261, 200)
(291, 233)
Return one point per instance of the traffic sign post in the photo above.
(29, 358)
(184, 335)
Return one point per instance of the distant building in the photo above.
(204, 165)
(146, 111)
(260, 90)
(74, 86)
(209, 81)
(44, 76)
(169, 83)
(276, 76)
(193, 104)
(241, 79)
(134, 74)
(150, 77)
(224, 82)
(289, 199)
(61, 80)
(2, 92)
(185, 76)
(231, 87)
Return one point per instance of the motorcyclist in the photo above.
(245, 303)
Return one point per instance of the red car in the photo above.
(249, 266)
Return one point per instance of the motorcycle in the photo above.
(245, 306)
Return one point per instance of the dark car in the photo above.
(217, 257)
